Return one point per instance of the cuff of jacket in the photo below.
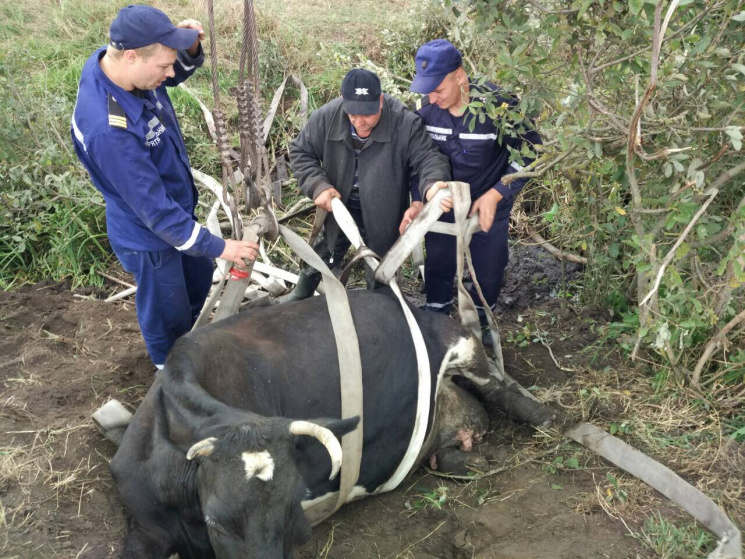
(319, 187)
(416, 196)
(195, 60)
(425, 188)
(504, 190)
(215, 246)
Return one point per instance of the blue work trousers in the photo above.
(171, 290)
(490, 254)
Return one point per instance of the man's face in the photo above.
(364, 124)
(149, 72)
(448, 94)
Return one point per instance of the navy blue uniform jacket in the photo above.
(133, 149)
(479, 156)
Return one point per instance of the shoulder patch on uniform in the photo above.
(423, 101)
(117, 116)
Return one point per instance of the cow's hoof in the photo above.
(456, 462)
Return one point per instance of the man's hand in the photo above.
(410, 215)
(447, 203)
(486, 206)
(193, 24)
(239, 251)
(323, 200)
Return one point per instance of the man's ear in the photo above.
(130, 56)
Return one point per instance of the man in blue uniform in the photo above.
(125, 134)
(479, 155)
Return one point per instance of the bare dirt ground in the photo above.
(64, 354)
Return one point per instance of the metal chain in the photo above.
(221, 134)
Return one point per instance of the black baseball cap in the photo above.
(360, 91)
(139, 26)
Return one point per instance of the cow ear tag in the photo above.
(202, 448)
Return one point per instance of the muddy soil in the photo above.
(63, 354)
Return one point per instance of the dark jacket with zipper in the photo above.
(322, 157)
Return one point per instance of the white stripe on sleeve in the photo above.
(185, 66)
(193, 239)
(438, 130)
(478, 136)
(78, 134)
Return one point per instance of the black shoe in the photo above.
(486, 338)
(306, 286)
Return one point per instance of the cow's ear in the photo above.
(339, 427)
(202, 448)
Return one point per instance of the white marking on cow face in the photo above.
(259, 464)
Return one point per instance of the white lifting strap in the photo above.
(350, 376)
(349, 227)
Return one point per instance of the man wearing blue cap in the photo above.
(479, 155)
(362, 148)
(125, 134)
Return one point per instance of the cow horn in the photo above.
(202, 448)
(324, 436)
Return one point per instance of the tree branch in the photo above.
(558, 253)
(713, 345)
(671, 253)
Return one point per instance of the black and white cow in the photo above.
(239, 428)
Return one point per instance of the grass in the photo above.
(675, 540)
(51, 225)
(51, 217)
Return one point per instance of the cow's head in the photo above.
(250, 487)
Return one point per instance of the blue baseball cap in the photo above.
(139, 26)
(434, 61)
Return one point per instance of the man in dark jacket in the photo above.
(362, 148)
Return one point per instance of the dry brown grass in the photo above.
(677, 429)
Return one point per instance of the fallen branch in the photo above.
(114, 279)
(558, 253)
(713, 345)
(121, 295)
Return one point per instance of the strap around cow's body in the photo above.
(424, 391)
(350, 368)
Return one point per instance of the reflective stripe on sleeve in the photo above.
(437, 130)
(516, 168)
(193, 239)
(440, 305)
(78, 134)
(478, 136)
(183, 64)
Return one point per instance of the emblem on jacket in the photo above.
(152, 138)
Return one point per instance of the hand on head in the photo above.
(193, 24)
